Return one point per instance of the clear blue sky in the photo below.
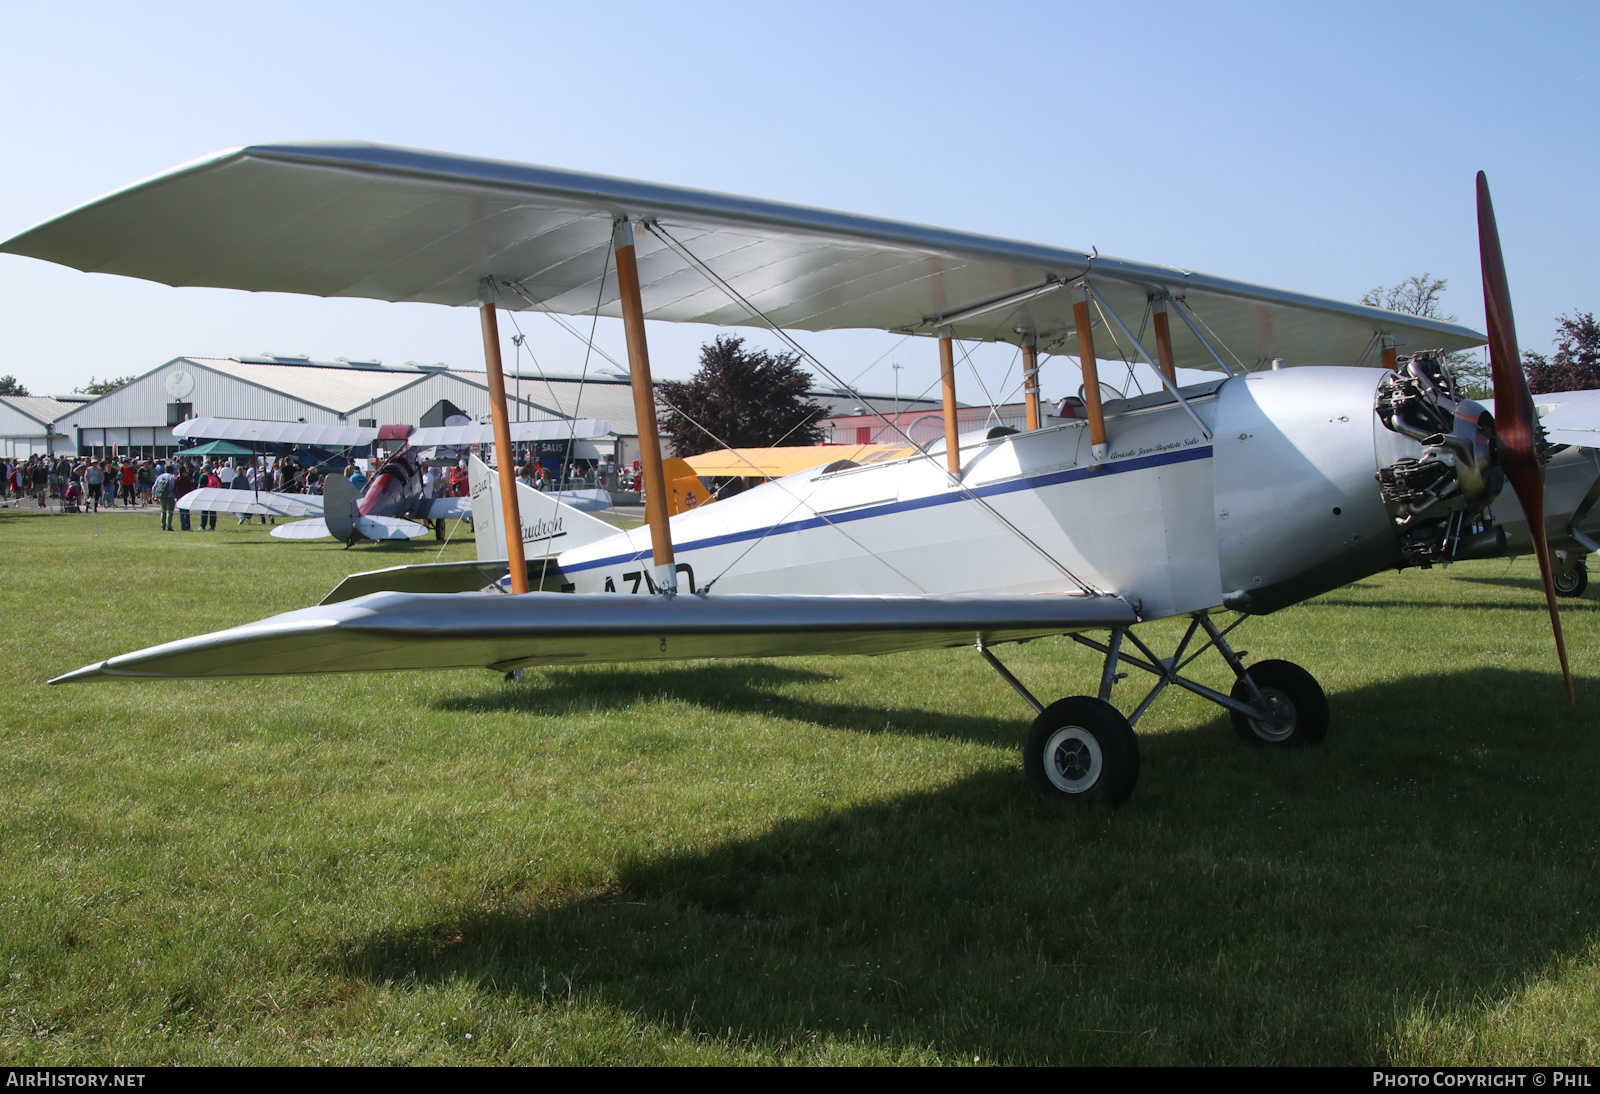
(1324, 148)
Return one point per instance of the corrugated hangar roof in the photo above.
(334, 385)
(44, 408)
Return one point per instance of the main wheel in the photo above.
(1298, 709)
(1081, 750)
(1574, 583)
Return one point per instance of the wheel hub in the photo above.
(1277, 721)
(1073, 759)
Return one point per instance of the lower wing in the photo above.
(265, 504)
(386, 631)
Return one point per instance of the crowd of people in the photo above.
(87, 484)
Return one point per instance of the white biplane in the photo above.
(1253, 492)
(393, 501)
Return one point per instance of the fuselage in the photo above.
(1281, 503)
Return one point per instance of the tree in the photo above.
(1575, 366)
(9, 385)
(742, 398)
(103, 387)
(1423, 294)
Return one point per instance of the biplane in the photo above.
(1334, 442)
(393, 501)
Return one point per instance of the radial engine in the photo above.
(1439, 500)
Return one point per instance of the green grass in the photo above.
(811, 861)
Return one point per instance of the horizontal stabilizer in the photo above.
(419, 631)
(389, 528)
(302, 529)
(448, 508)
(585, 501)
(263, 504)
(433, 577)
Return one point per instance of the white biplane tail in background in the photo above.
(549, 524)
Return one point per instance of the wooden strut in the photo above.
(1390, 355)
(1030, 380)
(947, 380)
(505, 454)
(1164, 340)
(1091, 377)
(644, 408)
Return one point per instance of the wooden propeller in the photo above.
(1514, 415)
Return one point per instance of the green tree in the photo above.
(103, 387)
(743, 398)
(9, 385)
(1575, 365)
(1423, 294)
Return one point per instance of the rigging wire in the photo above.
(799, 501)
(661, 233)
(1184, 303)
(1106, 323)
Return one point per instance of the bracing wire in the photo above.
(711, 275)
(1190, 309)
(799, 502)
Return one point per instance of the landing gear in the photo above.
(1294, 708)
(1081, 750)
(1572, 575)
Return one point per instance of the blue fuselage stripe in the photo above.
(950, 497)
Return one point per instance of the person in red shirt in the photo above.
(128, 475)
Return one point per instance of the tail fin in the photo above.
(339, 500)
(548, 526)
(685, 491)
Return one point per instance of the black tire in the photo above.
(1083, 751)
(1295, 693)
(438, 530)
(1574, 583)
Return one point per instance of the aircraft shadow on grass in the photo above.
(1567, 606)
(1247, 905)
(739, 686)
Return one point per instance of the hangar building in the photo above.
(138, 417)
(28, 424)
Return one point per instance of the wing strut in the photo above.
(1091, 375)
(1163, 329)
(505, 454)
(947, 382)
(644, 406)
(1030, 378)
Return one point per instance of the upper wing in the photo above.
(365, 220)
(265, 504)
(429, 631)
(431, 436)
(242, 429)
(1573, 417)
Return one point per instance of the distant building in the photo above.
(28, 424)
(137, 418)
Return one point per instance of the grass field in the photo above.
(806, 861)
